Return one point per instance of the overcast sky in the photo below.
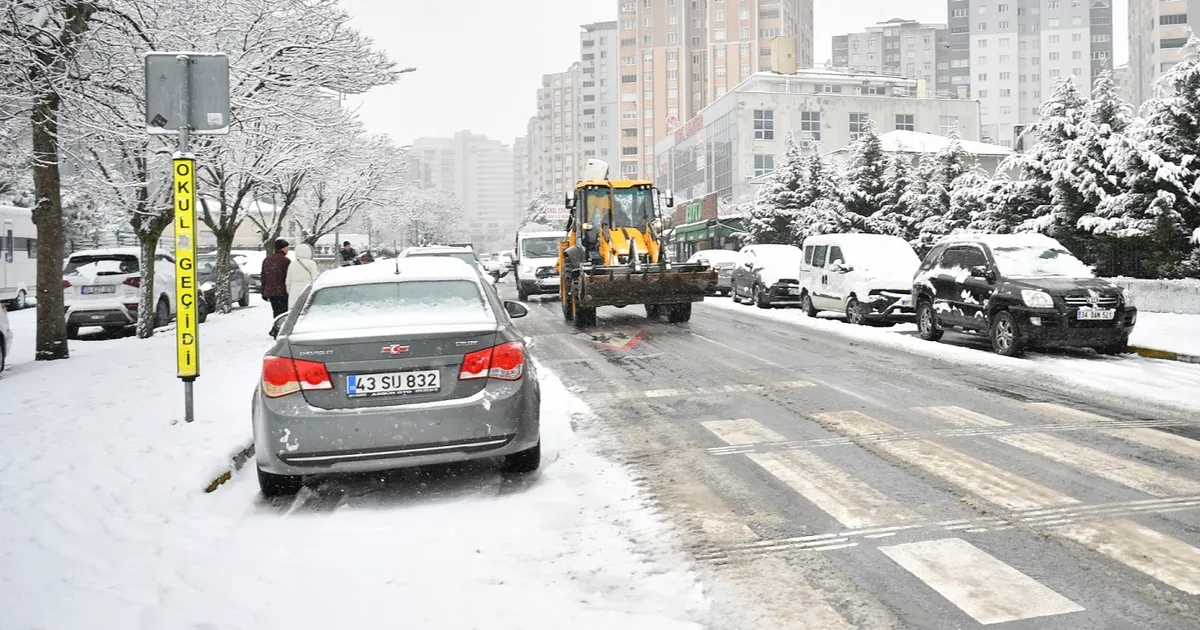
(480, 62)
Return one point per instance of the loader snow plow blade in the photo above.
(653, 284)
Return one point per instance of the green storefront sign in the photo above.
(691, 213)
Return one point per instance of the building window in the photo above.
(858, 124)
(720, 16)
(672, 19)
(947, 124)
(1055, 56)
(720, 71)
(672, 75)
(1177, 18)
(810, 126)
(648, 132)
(647, 76)
(648, 21)
(672, 93)
(629, 133)
(763, 164)
(905, 122)
(672, 38)
(1002, 8)
(647, 40)
(629, 150)
(745, 69)
(1005, 93)
(1005, 76)
(628, 78)
(672, 55)
(1101, 38)
(719, 53)
(719, 35)
(764, 124)
(983, 77)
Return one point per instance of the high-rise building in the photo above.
(902, 48)
(1123, 79)
(559, 147)
(479, 172)
(1158, 31)
(600, 126)
(521, 190)
(1010, 56)
(676, 56)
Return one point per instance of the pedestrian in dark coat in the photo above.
(274, 278)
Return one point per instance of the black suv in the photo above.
(1021, 290)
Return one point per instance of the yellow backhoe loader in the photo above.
(614, 255)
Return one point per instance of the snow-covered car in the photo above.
(722, 261)
(251, 265)
(379, 367)
(767, 275)
(101, 288)
(1021, 290)
(866, 276)
(6, 337)
(206, 276)
(462, 252)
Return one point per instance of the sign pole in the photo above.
(187, 340)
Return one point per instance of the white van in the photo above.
(536, 263)
(866, 276)
(18, 261)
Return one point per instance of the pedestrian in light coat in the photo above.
(301, 273)
(274, 278)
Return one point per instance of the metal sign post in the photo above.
(186, 93)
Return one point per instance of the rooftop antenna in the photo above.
(396, 247)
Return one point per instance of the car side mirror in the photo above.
(516, 309)
(277, 325)
(983, 272)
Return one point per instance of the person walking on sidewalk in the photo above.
(274, 278)
(300, 273)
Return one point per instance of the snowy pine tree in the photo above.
(865, 184)
(894, 216)
(931, 201)
(1045, 167)
(536, 211)
(821, 208)
(776, 201)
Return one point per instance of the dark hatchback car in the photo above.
(1022, 291)
(206, 276)
(767, 275)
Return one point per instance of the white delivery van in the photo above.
(18, 260)
(866, 276)
(536, 263)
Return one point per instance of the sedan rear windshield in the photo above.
(386, 304)
(102, 265)
(467, 257)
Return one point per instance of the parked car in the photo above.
(6, 337)
(101, 288)
(1021, 290)
(493, 265)
(722, 261)
(18, 257)
(206, 275)
(379, 367)
(866, 276)
(536, 269)
(767, 275)
(464, 253)
(250, 262)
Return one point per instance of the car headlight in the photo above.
(1037, 299)
(207, 286)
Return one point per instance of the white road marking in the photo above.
(718, 389)
(985, 588)
(960, 417)
(845, 498)
(1146, 436)
(742, 431)
(1128, 473)
(990, 483)
(1166, 559)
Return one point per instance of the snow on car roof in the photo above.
(115, 251)
(1028, 239)
(411, 269)
(433, 249)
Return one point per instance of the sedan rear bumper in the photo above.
(107, 314)
(293, 438)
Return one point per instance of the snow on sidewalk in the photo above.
(1171, 332)
(1151, 380)
(104, 522)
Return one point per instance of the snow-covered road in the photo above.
(104, 522)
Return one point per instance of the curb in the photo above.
(236, 461)
(1151, 353)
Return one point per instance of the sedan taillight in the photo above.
(505, 362)
(282, 376)
(66, 284)
(134, 282)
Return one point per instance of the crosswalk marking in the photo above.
(990, 483)
(1092, 461)
(985, 588)
(743, 431)
(1166, 559)
(1148, 437)
(716, 389)
(1128, 473)
(847, 499)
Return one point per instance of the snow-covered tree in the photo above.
(420, 216)
(357, 176)
(895, 215)
(16, 169)
(536, 212)
(1053, 187)
(777, 201)
(865, 185)
(938, 175)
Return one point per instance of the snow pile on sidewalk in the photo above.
(104, 522)
(1177, 384)
(1167, 331)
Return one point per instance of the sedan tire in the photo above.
(806, 305)
(927, 325)
(856, 313)
(273, 485)
(525, 461)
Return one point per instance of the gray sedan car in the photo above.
(407, 363)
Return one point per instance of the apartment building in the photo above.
(1158, 31)
(676, 56)
(897, 47)
(1011, 54)
(600, 113)
(1123, 78)
(558, 137)
(521, 186)
(479, 171)
(741, 136)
